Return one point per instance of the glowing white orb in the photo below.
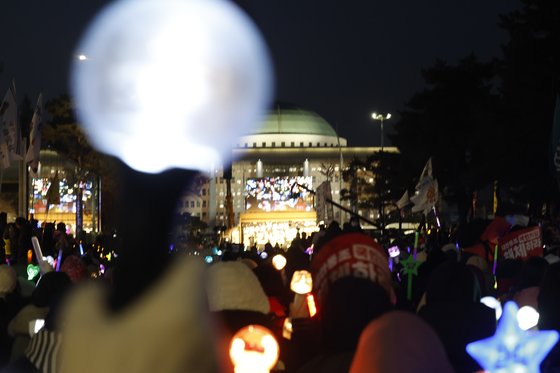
(494, 304)
(171, 83)
(279, 261)
(527, 317)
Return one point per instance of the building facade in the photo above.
(281, 176)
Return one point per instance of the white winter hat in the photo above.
(233, 286)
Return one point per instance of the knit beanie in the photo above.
(75, 268)
(350, 255)
(8, 280)
(234, 286)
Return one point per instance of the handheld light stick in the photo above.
(302, 285)
(164, 87)
(394, 253)
(279, 261)
(59, 260)
(416, 235)
(512, 349)
(410, 269)
(495, 266)
(45, 264)
(37, 249)
(254, 349)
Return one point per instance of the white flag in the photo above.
(10, 136)
(32, 156)
(425, 198)
(426, 194)
(403, 201)
(426, 175)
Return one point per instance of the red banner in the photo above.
(522, 244)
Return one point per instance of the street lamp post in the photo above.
(381, 118)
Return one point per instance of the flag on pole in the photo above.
(10, 132)
(426, 194)
(403, 201)
(32, 156)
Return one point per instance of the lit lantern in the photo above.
(302, 283)
(158, 78)
(254, 349)
(29, 256)
(279, 262)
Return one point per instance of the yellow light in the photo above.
(254, 349)
(311, 305)
(287, 328)
(279, 262)
(302, 283)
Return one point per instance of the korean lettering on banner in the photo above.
(357, 260)
(522, 244)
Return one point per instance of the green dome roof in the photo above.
(284, 119)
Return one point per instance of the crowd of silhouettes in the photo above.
(365, 321)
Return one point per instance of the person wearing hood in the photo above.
(352, 285)
(454, 311)
(399, 342)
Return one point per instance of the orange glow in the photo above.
(29, 256)
(254, 349)
(301, 283)
(311, 305)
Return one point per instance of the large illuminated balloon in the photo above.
(170, 83)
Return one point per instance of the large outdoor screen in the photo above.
(284, 193)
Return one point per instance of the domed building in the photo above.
(279, 182)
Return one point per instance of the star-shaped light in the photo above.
(410, 266)
(512, 349)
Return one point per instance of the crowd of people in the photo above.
(364, 316)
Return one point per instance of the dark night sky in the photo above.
(342, 59)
